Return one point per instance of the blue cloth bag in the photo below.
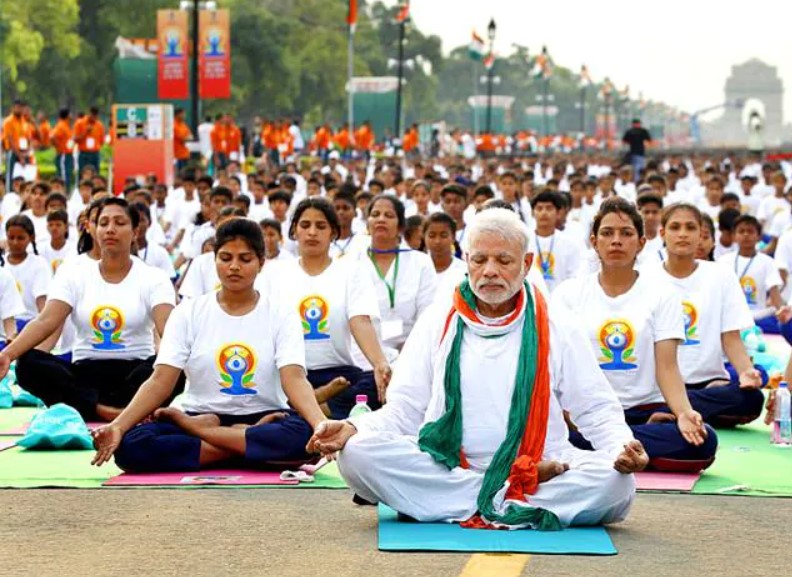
(59, 427)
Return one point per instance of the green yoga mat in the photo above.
(20, 469)
(16, 417)
(747, 464)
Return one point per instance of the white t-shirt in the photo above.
(156, 256)
(770, 208)
(11, 304)
(413, 290)
(40, 226)
(652, 253)
(712, 304)
(757, 275)
(325, 304)
(557, 257)
(32, 277)
(55, 257)
(112, 320)
(623, 330)
(232, 363)
(259, 212)
(453, 275)
(180, 213)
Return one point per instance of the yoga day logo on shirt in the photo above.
(748, 285)
(546, 264)
(617, 339)
(55, 264)
(19, 288)
(690, 315)
(107, 322)
(314, 314)
(237, 365)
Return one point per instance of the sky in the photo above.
(676, 51)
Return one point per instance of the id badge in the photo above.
(90, 142)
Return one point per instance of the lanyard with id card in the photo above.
(392, 326)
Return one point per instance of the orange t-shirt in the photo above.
(219, 138)
(89, 138)
(234, 141)
(61, 137)
(322, 138)
(342, 139)
(270, 137)
(15, 134)
(181, 134)
(43, 138)
(364, 138)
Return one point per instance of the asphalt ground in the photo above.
(282, 532)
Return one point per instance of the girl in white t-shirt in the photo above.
(30, 271)
(151, 253)
(11, 305)
(715, 312)
(244, 356)
(115, 304)
(336, 302)
(404, 280)
(759, 279)
(37, 210)
(439, 240)
(59, 247)
(634, 324)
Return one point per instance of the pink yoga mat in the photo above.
(18, 431)
(213, 477)
(6, 445)
(656, 481)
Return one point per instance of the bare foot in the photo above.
(330, 390)
(186, 422)
(714, 384)
(661, 418)
(107, 413)
(272, 417)
(549, 469)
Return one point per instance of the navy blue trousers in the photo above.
(772, 326)
(361, 383)
(165, 447)
(664, 441)
(86, 383)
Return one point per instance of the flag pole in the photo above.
(475, 99)
(350, 74)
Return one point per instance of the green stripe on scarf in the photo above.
(442, 439)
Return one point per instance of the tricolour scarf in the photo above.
(515, 462)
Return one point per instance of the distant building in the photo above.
(757, 86)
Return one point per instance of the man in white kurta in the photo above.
(382, 462)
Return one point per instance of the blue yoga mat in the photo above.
(395, 535)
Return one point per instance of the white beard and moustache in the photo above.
(504, 294)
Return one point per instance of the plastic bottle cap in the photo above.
(783, 385)
(361, 398)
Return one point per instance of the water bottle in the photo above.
(361, 406)
(782, 424)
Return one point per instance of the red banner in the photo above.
(173, 77)
(215, 54)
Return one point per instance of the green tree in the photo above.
(27, 29)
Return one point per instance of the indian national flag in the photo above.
(489, 60)
(404, 12)
(476, 47)
(542, 67)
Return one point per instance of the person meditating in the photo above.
(336, 302)
(634, 324)
(115, 305)
(474, 429)
(244, 358)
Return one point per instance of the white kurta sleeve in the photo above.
(584, 392)
(411, 385)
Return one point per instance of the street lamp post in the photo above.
(400, 74)
(583, 110)
(606, 94)
(491, 35)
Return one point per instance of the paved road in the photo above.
(219, 533)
